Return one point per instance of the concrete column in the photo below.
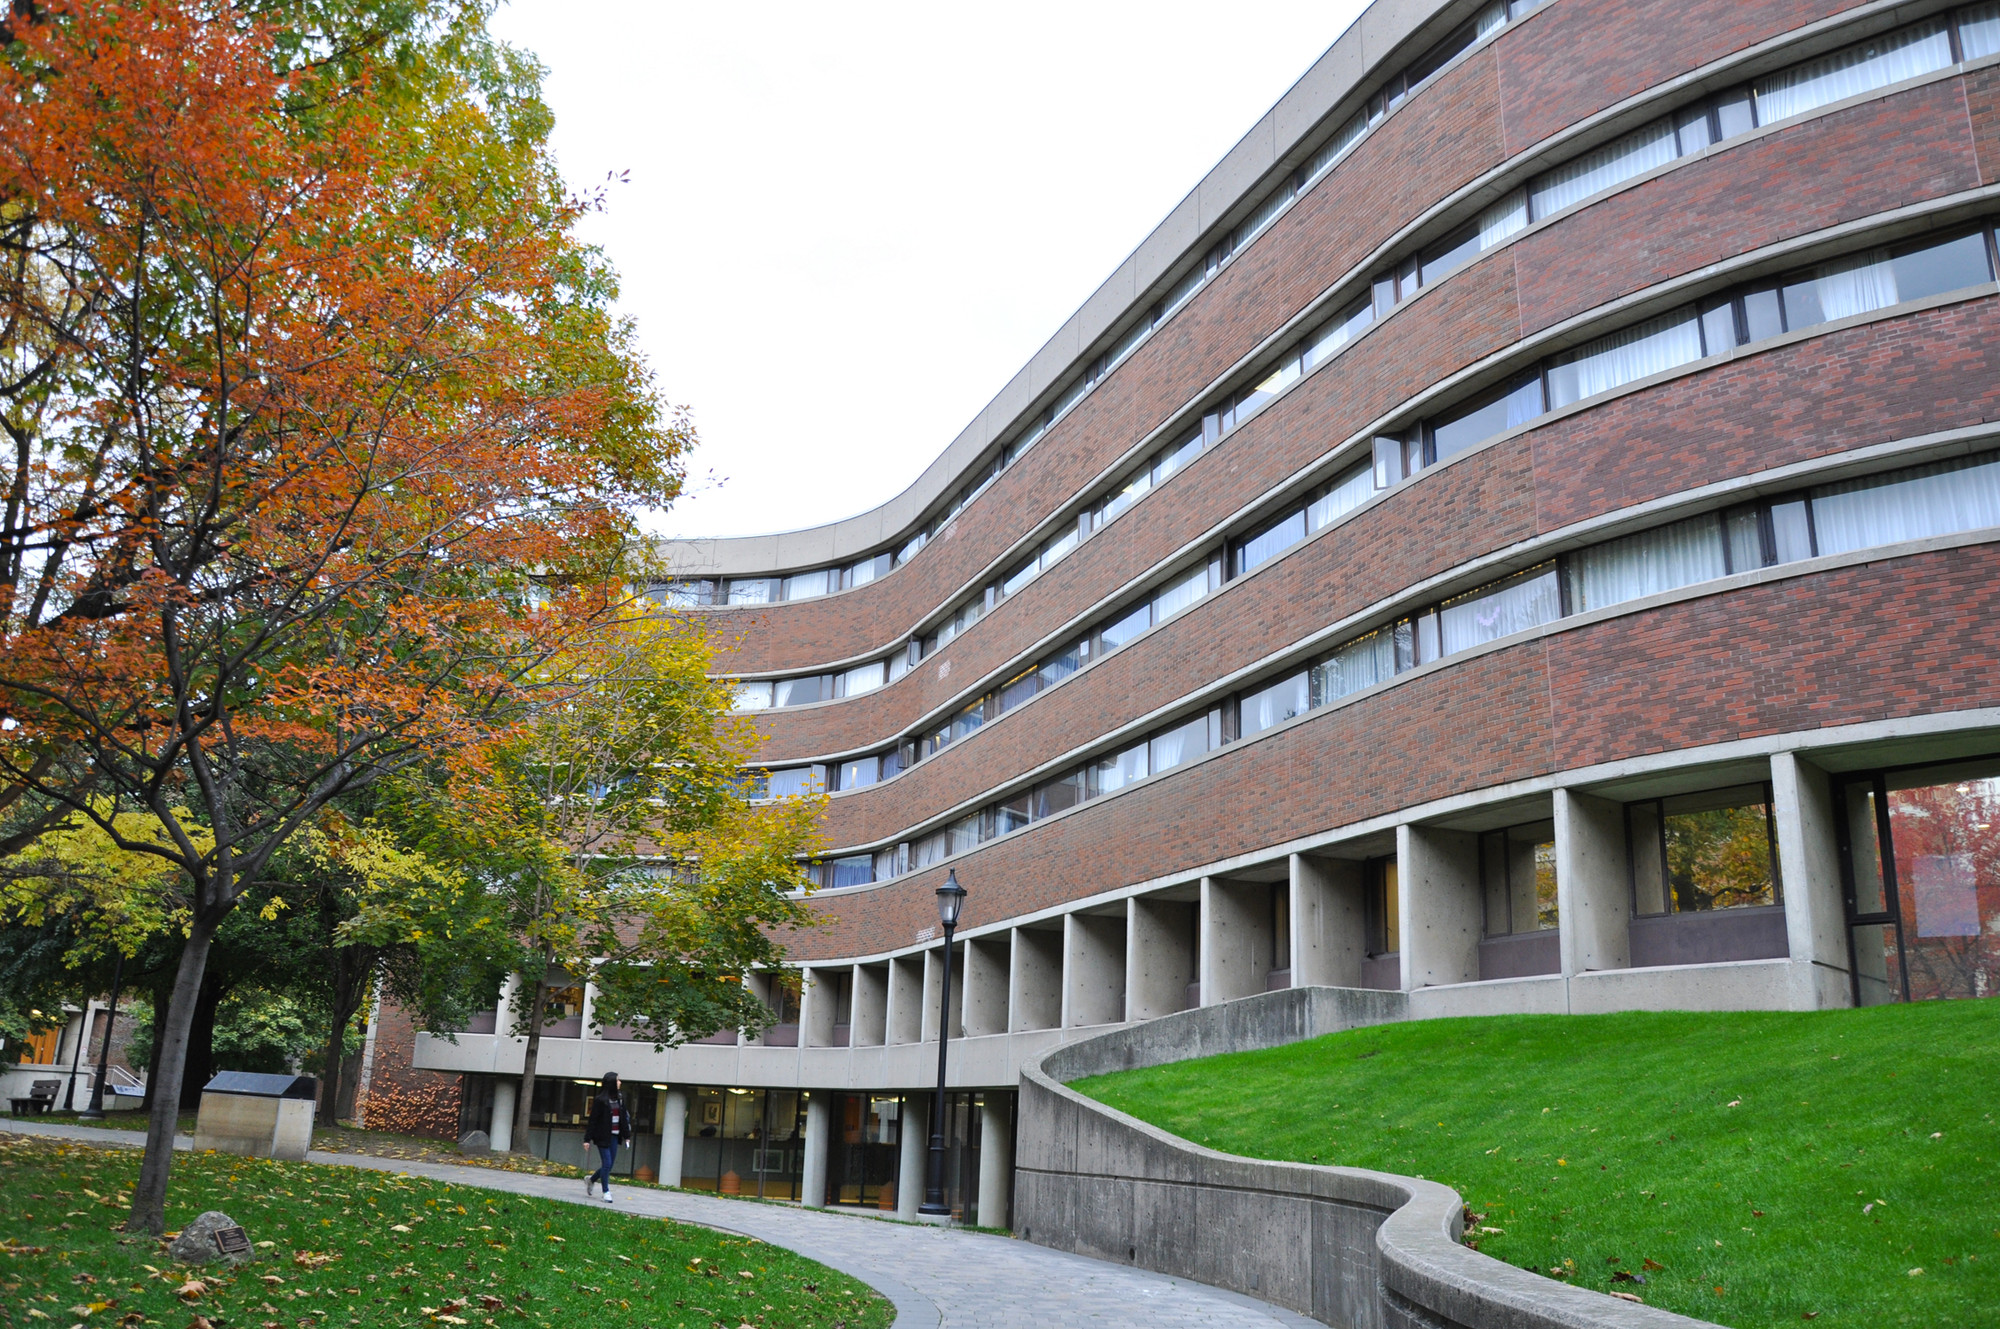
(1093, 969)
(996, 1162)
(1159, 962)
(818, 1003)
(1235, 939)
(906, 999)
(915, 1136)
(871, 1006)
(1329, 922)
(1034, 985)
(933, 990)
(500, 1130)
(589, 1008)
(1809, 868)
(987, 962)
(503, 1008)
(673, 1134)
(1593, 884)
(812, 1180)
(1438, 875)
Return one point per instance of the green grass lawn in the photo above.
(1753, 1169)
(340, 1247)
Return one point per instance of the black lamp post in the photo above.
(951, 899)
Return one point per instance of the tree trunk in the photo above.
(199, 1066)
(524, 1102)
(336, 1041)
(163, 997)
(149, 1197)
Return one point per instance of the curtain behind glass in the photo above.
(1178, 745)
(1648, 563)
(1348, 493)
(1361, 663)
(1273, 706)
(1623, 357)
(1504, 218)
(1514, 607)
(1927, 500)
(1615, 162)
(1979, 30)
(1858, 69)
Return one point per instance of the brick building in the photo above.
(1520, 534)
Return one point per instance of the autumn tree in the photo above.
(610, 841)
(323, 440)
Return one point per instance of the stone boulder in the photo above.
(475, 1142)
(196, 1242)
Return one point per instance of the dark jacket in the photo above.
(610, 1122)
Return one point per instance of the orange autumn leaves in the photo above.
(321, 429)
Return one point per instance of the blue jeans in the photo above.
(609, 1153)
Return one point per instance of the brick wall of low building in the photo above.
(400, 1098)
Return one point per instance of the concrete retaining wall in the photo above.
(1346, 1246)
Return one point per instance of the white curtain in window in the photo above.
(964, 834)
(931, 849)
(1178, 745)
(1909, 505)
(865, 678)
(1121, 770)
(1856, 286)
(1504, 218)
(1979, 30)
(1180, 595)
(1615, 162)
(1514, 607)
(1348, 493)
(1860, 68)
(1624, 357)
(1649, 562)
(1361, 663)
(751, 697)
(1274, 705)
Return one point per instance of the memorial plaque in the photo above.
(232, 1240)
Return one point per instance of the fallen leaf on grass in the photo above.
(491, 1302)
(191, 1289)
(1652, 1264)
(1627, 1296)
(272, 1279)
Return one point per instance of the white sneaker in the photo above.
(607, 1195)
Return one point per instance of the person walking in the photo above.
(610, 1125)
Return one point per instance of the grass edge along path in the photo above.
(339, 1247)
(1751, 1168)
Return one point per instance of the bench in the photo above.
(41, 1097)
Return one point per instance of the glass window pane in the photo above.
(793, 783)
(1271, 706)
(1736, 113)
(1746, 539)
(1691, 129)
(1452, 255)
(1863, 67)
(1348, 493)
(1471, 425)
(1531, 876)
(1503, 219)
(1523, 602)
(750, 590)
(1612, 164)
(1180, 744)
(802, 691)
(1623, 357)
(964, 834)
(1180, 595)
(866, 678)
(1941, 499)
(1338, 332)
(1174, 458)
(1019, 688)
(1116, 634)
(1648, 563)
(1944, 826)
(1270, 542)
(858, 772)
(1057, 795)
(1057, 668)
(806, 585)
(968, 720)
(857, 870)
(1718, 328)
(751, 696)
(1115, 772)
(1979, 31)
(1014, 814)
(1791, 531)
(1719, 850)
(1361, 663)
(1936, 269)
(1761, 317)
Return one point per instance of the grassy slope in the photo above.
(543, 1263)
(1779, 1166)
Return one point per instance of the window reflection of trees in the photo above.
(1719, 858)
(1947, 847)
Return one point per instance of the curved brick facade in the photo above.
(1722, 557)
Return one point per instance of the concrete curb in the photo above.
(1344, 1245)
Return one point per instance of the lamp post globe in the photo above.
(950, 901)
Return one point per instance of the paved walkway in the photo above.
(935, 1276)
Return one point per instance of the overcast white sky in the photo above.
(846, 227)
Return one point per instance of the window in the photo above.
(1648, 563)
(857, 772)
(1271, 706)
(1268, 543)
(1699, 852)
(1382, 916)
(1184, 742)
(1495, 413)
(1941, 499)
(683, 594)
(864, 678)
(1360, 664)
(854, 870)
(804, 691)
(1060, 794)
(1624, 357)
(752, 590)
(1526, 600)
(1113, 773)
(1517, 875)
(1863, 67)
(795, 782)
(807, 585)
(753, 696)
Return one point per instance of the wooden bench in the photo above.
(41, 1097)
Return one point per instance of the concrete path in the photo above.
(935, 1276)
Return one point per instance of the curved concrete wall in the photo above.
(1349, 1247)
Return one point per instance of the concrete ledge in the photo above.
(1346, 1246)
